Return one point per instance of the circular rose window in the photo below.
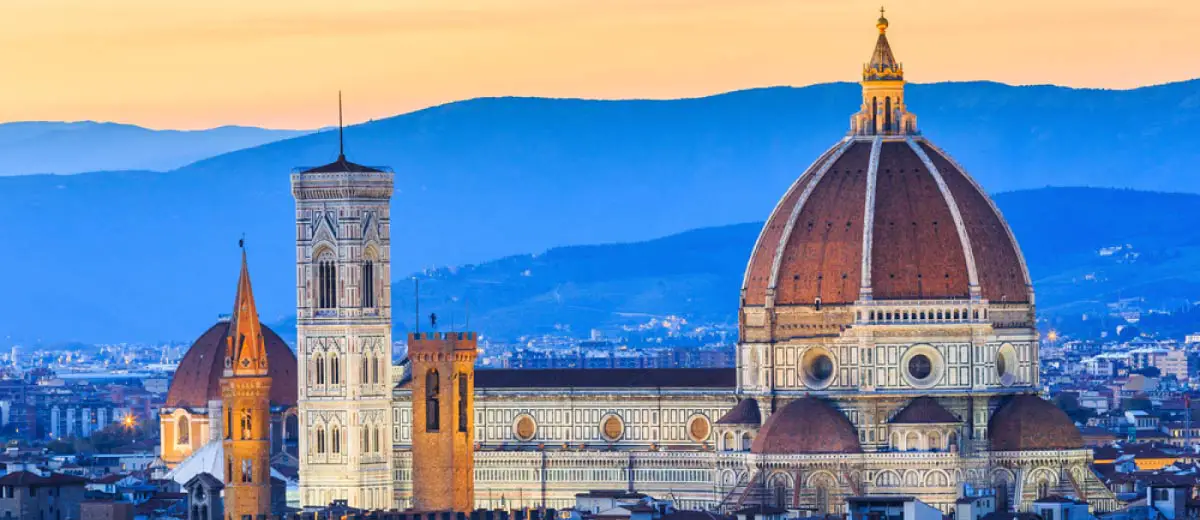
(817, 368)
(698, 428)
(922, 366)
(612, 428)
(525, 428)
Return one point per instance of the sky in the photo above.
(280, 63)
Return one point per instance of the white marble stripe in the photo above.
(795, 185)
(791, 223)
(963, 236)
(1012, 238)
(864, 292)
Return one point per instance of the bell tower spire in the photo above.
(883, 111)
(246, 350)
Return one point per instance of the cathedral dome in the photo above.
(884, 215)
(807, 425)
(198, 377)
(1028, 422)
(902, 222)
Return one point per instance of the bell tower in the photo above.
(344, 338)
(245, 398)
(443, 411)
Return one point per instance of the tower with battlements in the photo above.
(344, 340)
(443, 411)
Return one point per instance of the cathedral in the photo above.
(887, 346)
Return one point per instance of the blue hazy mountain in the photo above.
(135, 255)
(698, 274)
(85, 146)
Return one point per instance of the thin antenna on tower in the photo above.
(341, 138)
(417, 303)
(468, 325)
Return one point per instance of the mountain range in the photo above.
(30, 147)
(115, 256)
(1085, 248)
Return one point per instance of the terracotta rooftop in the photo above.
(608, 378)
(198, 376)
(813, 246)
(924, 410)
(29, 479)
(1028, 422)
(807, 425)
(745, 412)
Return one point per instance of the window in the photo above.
(326, 281)
(335, 376)
(320, 440)
(247, 471)
(320, 369)
(432, 403)
(375, 440)
(335, 440)
(462, 402)
(228, 423)
(1048, 514)
(247, 424)
(183, 431)
(366, 361)
(375, 370)
(368, 284)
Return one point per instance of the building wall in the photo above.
(345, 217)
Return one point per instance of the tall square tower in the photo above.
(344, 339)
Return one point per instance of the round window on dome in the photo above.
(922, 366)
(612, 428)
(524, 428)
(919, 366)
(817, 368)
(699, 428)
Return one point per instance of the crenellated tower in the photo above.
(344, 339)
(443, 435)
(245, 394)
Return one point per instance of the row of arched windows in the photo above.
(328, 369)
(331, 443)
(371, 365)
(433, 390)
(371, 439)
(327, 282)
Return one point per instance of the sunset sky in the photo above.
(280, 63)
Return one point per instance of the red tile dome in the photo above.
(198, 377)
(1028, 422)
(893, 215)
(807, 425)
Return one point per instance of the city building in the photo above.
(887, 347)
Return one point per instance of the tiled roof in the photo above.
(29, 479)
(198, 376)
(807, 425)
(812, 247)
(607, 378)
(341, 165)
(1028, 422)
(745, 412)
(924, 410)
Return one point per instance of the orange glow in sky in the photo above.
(280, 63)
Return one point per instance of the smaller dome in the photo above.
(198, 377)
(807, 425)
(745, 412)
(1028, 422)
(924, 410)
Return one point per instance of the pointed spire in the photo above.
(341, 137)
(246, 351)
(883, 63)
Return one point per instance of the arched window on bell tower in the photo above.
(368, 284)
(326, 280)
(462, 402)
(432, 401)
